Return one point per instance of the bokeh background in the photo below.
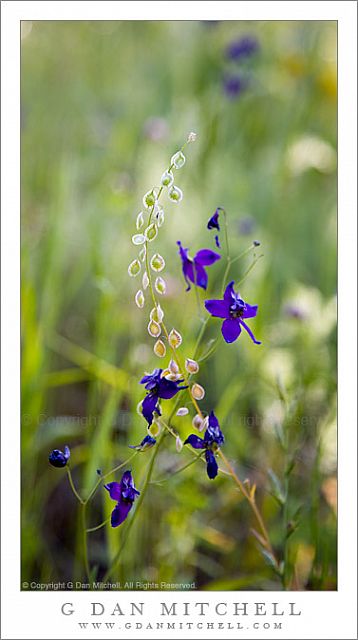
(104, 106)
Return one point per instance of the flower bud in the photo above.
(160, 285)
(178, 160)
(175, 339)
(150, 199)
(139, 221)
(178, 444)
(191, 137)
(191, 366)
(145, 280)
(167, 179)
(183, 411)
(138, 238)
(173, 366)
(175, 194)
(139, 299)
(157, 314)
(160, 349)
(197, 391)
(151, 232)
(154, 329)
(142, 254)
(157, 262)
(134, 268)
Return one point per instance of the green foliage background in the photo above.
(104, 106)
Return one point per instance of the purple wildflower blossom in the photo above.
(124, 492)
(158, 387)
(146, 443)
(234, 85)
(59, 458)
(242, 48)
(213, 439)
(214, 224)
(233, 309)
(193, 268)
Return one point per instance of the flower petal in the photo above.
(211, 465)
(217, 308)
(149, 405)
(114, 489)
(231, 329)
(120, 513)
(249, 332)
(205, 257)
(200, 275)
(250, 310)
(195, 441)
(229, 294)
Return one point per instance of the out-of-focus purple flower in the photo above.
(157, 387)
(156, 129)
(294, 311)
(59, 458)
(214, 224)
(124, 492)
(146, 443)
(246, 226)
(235, 85)
(233, 309)
(193, 268)
(213, 439)
(242, 48)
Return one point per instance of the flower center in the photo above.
(237, 308)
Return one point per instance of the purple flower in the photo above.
(213, 439)
(59, 458)
(234, 85)
(242, 48)
(214, 224)
(157, 387)
(146, 443)
(193, 268)
(233, 309)
(124, 492)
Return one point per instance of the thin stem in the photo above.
(109, 473)
(254, 262)
(169, 477)
(99, 526)
(76, 494)
(139, 502)
(84, 541)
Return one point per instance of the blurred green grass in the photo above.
(104, 106)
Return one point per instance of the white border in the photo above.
(34, 615)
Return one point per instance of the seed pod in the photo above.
(155, 428)
(167, 179)
(157, 314)
(160, 349)
(178, 160)
(178, 444)
(154, 329)
(139, 221)
(191, 365)
(197, 391)
(160, 218)
(157, 262)
(139, 299)
(175, 339)
(142, 254)
(138, 238)
(175, 194)
(197, 422)
(183, 411)
(173, 366)
(151, 232)
(150, 199)
(160, 285)
(134, 268)
(145, 280)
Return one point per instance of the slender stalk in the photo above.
(99, 526)
(84, 541)
(109, 473)
(74, 491)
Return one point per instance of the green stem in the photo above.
(139, 502)
(84, 541)
(169, 477)
(99, 526)
(74, 491)
(109, 473)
